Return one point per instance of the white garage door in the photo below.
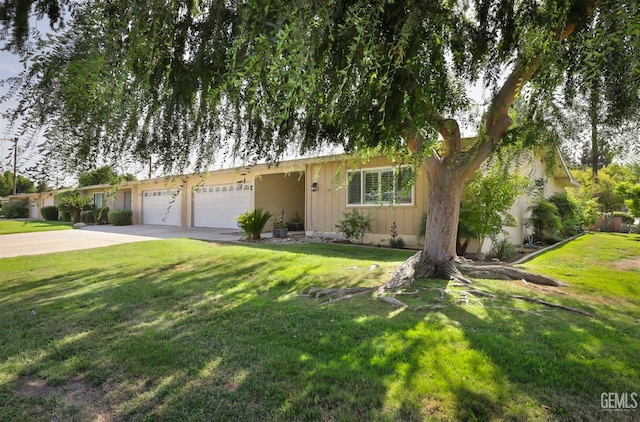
(161, 207)
(219, 205)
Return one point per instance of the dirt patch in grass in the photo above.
(87, 401)
(628, 265)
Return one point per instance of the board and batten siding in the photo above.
(326, 205)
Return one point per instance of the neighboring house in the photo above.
(35, 201)
(318, 189)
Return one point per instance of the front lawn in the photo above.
(189, 330)
(28, 226)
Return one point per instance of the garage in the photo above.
(161, 207)
(219, 205)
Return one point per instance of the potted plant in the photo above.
(279, 227)
(296, 225)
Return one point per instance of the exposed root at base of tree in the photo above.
(553, 305)
(457, 271)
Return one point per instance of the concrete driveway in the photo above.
(98, 236)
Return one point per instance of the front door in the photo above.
(127, 201)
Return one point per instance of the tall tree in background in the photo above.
(104, 175)
(184, 79)
(602, 77)
(23, 185)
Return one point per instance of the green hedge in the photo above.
(102, 215)
(49, 213)
(17, 209)
(120, 218)
(65, 215)
(87, 217)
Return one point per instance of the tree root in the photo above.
(457, 271)
(336, 295)
(417, 266)
(507, 272)
(553, 305)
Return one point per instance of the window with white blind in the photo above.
(380, 186)
(98, 199)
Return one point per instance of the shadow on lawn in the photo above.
(337, 250)
(231, 342)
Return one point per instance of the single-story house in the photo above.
(318, 190)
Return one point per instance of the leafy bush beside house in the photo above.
(17, 209)
(503, 249)
(353, 225)
(49, 213)
(544, 220)
(87, 217)
(74, 202)
(567, 211)
(120, 217)
(102, 215)
(485, 205)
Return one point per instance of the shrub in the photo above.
(75, 202)
(567, 208)
(252, 222)
(353, 225)
(544, 219)
(65, 216)
(102, 215)
(552, 239)
(120, 217)
(87, 217)
(397, 242)
(17, 209)
(503, 249)
(626, 217)
(569, 213)
(49, 213)
(571, 227)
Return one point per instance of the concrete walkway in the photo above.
(88, 237)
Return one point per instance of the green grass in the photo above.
(189, 330)
(28, 226)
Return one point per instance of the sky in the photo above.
(10, 66)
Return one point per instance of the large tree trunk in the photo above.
(445, 185)
(593, 117)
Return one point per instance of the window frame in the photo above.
(102, 199)
(379, 171)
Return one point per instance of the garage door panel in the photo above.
(219, 205)
(161, 207)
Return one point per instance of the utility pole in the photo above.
(15, 165)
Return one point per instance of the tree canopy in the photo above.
(104, 175)
(14, 19)
(181, 80)
(23, 185)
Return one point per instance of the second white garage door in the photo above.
(161, 207)
(220, 205)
